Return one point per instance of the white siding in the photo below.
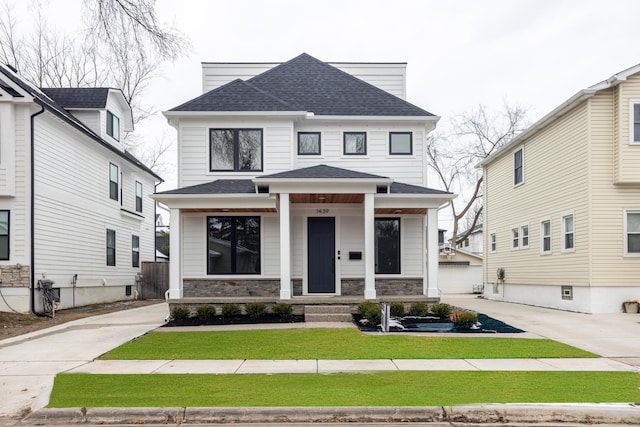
(412, 246)
(91, 119)
(270, 246)
(296, 246)
(194, 245)
(351, 240)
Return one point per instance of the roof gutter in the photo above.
(32, 292)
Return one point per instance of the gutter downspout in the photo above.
(32, 219)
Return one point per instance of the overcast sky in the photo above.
(459, 54)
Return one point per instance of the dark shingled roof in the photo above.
(84, 97)
(323, 171)
(304, 84)
(399, 188)
(221, 186)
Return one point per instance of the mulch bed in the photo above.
(414, 324)
(236, 320)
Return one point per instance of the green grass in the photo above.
(407, 388)
(331, 344)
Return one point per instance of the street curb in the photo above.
(493, 413)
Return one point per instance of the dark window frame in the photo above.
(518, 166)
(344, 143)
(111, 119)
(398, 254)
(233, 245)
(236, 149)
(5, 239)
(139, 197)
(135, 251)
(111, 251)
(635, 123)
(319, 144)
(114, 186)
(391, 152)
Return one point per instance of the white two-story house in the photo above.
(301, 179)
(74, 205)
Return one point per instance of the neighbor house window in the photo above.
(308, 143)
(135, 251)
(387, 245)
(545, 237)
(111, 247)
(636, 123)
(113, 181)
(518, 166)
(515, 238)
(568, 243)
(138, 196)
(493, 242)
(233, 245)
(235, 150)
(524, 231)
(355, 143)
(4, 235)
(113, 126)
(400, 143)
(632, 232)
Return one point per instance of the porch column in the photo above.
(285, 248)
(430, 286)
(175, 264)
(369, 248)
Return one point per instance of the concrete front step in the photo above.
(331, 317)
(327, 309)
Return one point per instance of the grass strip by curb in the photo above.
(345, 344)
(408, 388)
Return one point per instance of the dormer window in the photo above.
(113, 126)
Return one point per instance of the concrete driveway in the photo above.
(616, 336)
(29, 363)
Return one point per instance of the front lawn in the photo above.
(408, 388)
(346, 344)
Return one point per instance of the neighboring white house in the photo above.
(74, 205)
(298, 178)
(460, 272)
(562, 204)
(473, 243)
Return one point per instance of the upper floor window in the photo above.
(493, 241)
(518, 166)
(524, 230)
(635, 123)
(568, 233)
(4, 235)
(236, 150)
(387, 245)
(400, 143)
(234, 245)
(545, 237)
(515, 238)
(355, 143)
(135, 251)
(632, 232)
(113, 126)
(308, 143)
(113, 181)
(111, 247)
(138, 196)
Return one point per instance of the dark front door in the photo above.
(321, 262)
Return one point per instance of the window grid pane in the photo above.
(135, 251)
(308, 143)
(111, 247)
(222, 150)
(250, 150)
(113, 181)
(138, 196)
(636, 122)
(633, 232)
(516, 238)
(355, 143)
(546, 236)
(517, 167)
(525, 236)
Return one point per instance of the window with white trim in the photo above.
(135, 251)
(113, 126)
(138, 196)
(493, 242)
(632, 232)
(635, 122)
(111, 247)
(518, 166)
(524, 231)
(545, 236)
(515, 238)
(4, 235)
(113, 182)
(568, 235)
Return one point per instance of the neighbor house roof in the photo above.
(85, 97)
(304, 84)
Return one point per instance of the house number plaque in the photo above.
(322, 211)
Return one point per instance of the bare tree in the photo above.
(454, 156)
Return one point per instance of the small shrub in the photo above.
(396, 309)
(464, 319)
(205, 312)
(180, 312)
(442, 310)
(419, 309)
(255, 309)
(230, 310)
(370, 311)
(282, 309)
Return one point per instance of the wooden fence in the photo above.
(155, 280)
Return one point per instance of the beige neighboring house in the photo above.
(562, 204)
